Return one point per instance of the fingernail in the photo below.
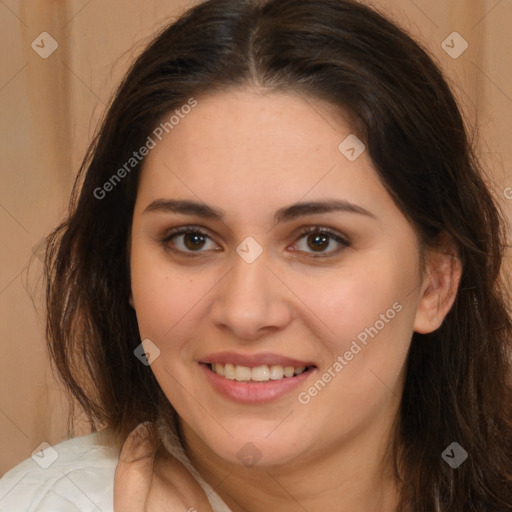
(140, 442)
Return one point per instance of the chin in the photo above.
(251, 447)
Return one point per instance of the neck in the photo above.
(354, 476)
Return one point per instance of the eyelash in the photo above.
(306, 231)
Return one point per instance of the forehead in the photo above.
(259, 123)
(247, 146)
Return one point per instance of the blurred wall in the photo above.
(49, 111)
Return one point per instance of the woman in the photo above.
(281, 274)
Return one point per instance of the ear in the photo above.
(439, 287)
(130, 300)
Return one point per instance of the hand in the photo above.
(147, 480)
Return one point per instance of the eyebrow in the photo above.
(285, 214)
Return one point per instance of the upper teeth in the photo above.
(258, 373)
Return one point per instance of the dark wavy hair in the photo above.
(458, 382)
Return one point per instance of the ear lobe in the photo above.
(130, 300)
(440, 285)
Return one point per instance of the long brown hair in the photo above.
(458, 383)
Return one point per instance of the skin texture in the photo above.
(148, 479)
(250, 153)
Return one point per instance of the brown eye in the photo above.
(194, 241)
(318, 241)
(188, 241)
(321, 241)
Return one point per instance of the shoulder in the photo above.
(74, 476)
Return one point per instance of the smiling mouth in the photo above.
(263, 373)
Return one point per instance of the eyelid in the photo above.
(333, 234)
(182, 230)
(298, 235)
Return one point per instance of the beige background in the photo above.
(50, 108)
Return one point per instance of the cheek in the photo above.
(348, 301)
(166, 301)
(366, 319)
(163, 296)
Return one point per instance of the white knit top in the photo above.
(78, 476)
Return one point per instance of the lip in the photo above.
(253, 360)
(254, 392)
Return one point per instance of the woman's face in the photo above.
(286, 252)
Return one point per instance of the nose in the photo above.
(251, 300)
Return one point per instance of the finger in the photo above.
(134, 471)
(187, 493)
